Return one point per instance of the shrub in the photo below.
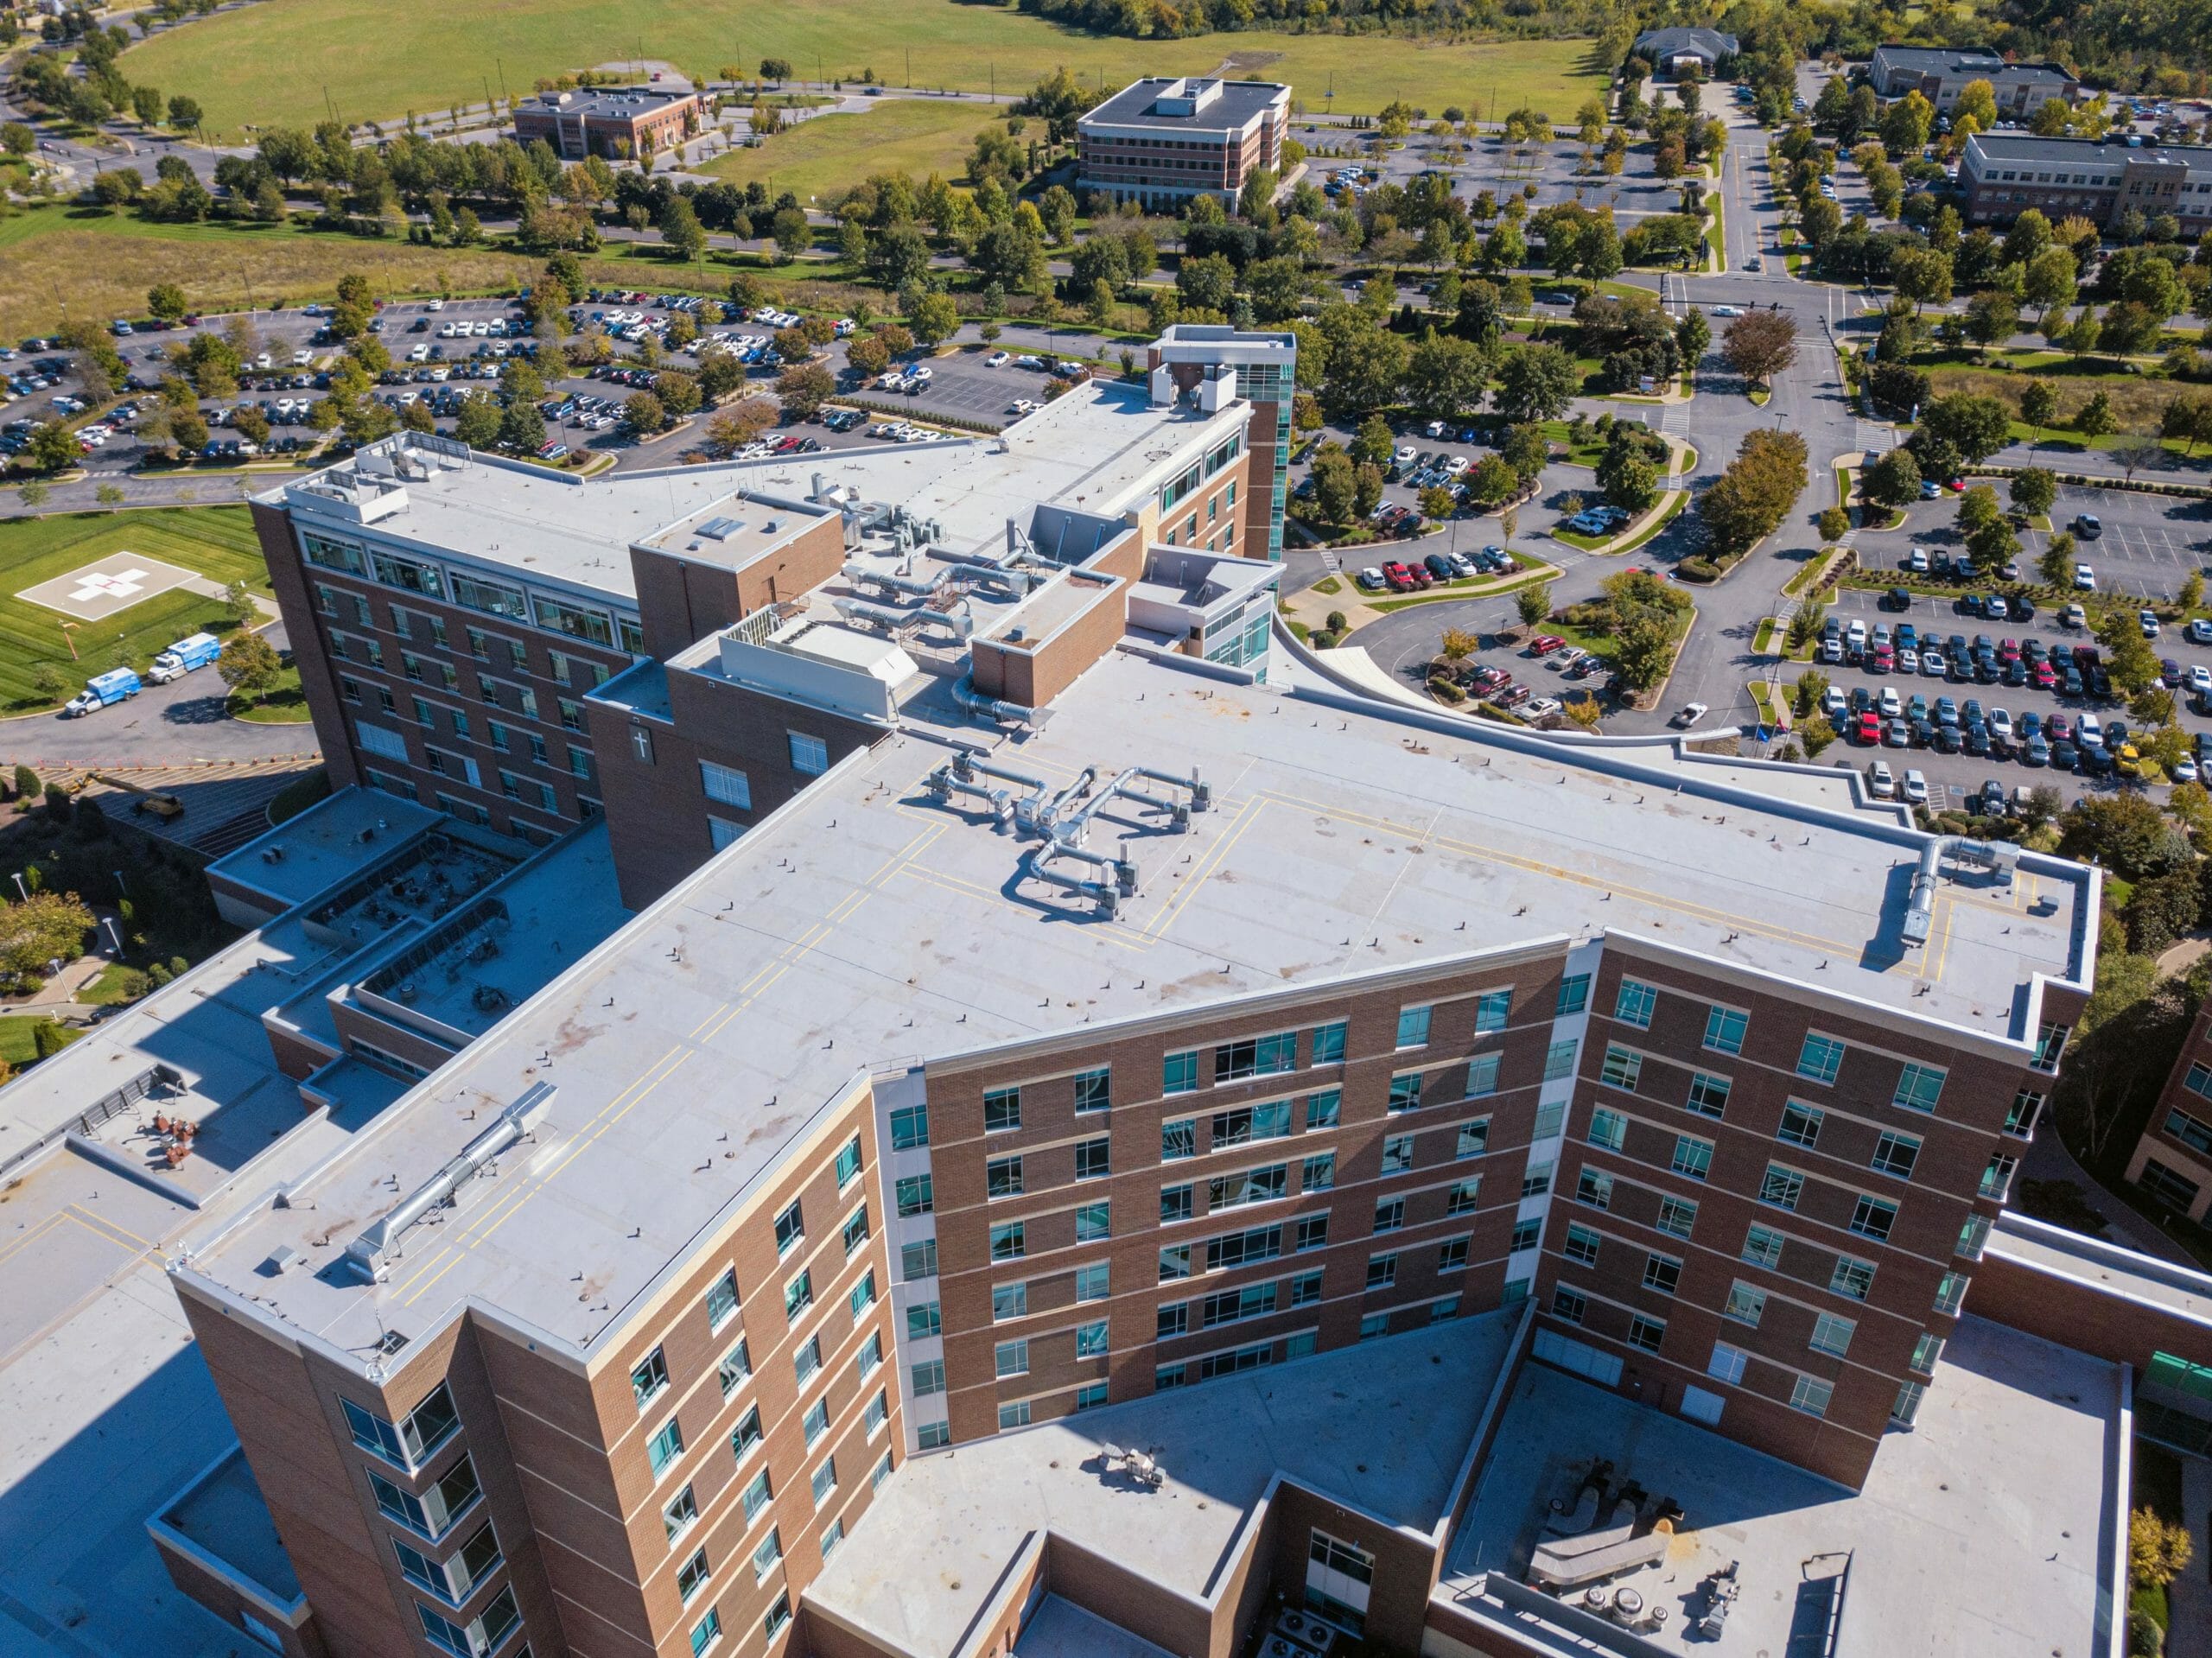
(1441, 687)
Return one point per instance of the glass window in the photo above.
(914, 1195)
(678, 1516)
(1397, 1153)
(824, 1480)
(810, 755)
(1405, 1092)
(650, 1379)
(1313, 1233)
(849, 1163)
(929, 1378)
(2027, 1104)
(1002, 1176)
(1263, 1056)
(1646, 1332)
(1179, 1140)
(664, 1447)
(918, 1259)
(1925, 1352)
(910, 1128)
(1832, 1334)
(1094, 1088)
(1093, 1222)
(1558, 1061)
(1594, 1188)
(1412, 1027)
(1009, 1301)
(1574, 995)
(1179, 1073)
(1709, 1095)
(1895, 1153)
(1318, 1173)
(1091, 1339)
(1762, 1247)
(1677, 1216)
(1919, 1086)
(798, 1294)
(1782, 1187)
(1811, 1395)
(1092, 1281)
(923, 1319)
(1800, 1125)
(1323, 1110)
(1390, 1213)
(1176, 1203)
(1001, 1109)
(1693, 1157)
(1727, 1363)
(1382, 1271)
(765, 1556)
(735, 1367)
(1621, 1070)
(1452, 1256)
(1008, 1241)
(1820, 1058)
(855, 1230)
(1473, 1139)
(1482, 1074)
(864, 1294)
(1663, 1272)
(1608, 1129)
(1569, 1305)
(817, 1420)
(1634, 1005)
(1746, 1304)
(1462, 1198)
(1491, 1010)
(1014, 1416)
(791, 1228)
(1852, 1277)
(1583, 1243)
(725, 785)
(1329, 1042)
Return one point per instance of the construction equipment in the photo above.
(163, 806)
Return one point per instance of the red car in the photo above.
(1870, 730)
(1399, 578)
(2044, 677)
(1544, 644)
(1883, 661)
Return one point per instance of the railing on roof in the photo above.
(106, 1107)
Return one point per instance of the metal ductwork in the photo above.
(944, 785)
(1920, 908)
(923, 585)
(371, 1253)
(972, 701)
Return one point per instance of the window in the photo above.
(855, 1232)
(1727, 1363)
(2050, 1043)
(798, 1294)
(1709, 1095)
(910, 1128)
(765, 1557)
(678, 1516)
(1313, 1233)
(1306, 1288)
(1811, 1395)
(1405, 1092)
(1634, 1004)
(1558, 1061)
(1397, 1153)
(1582, 1243)
(1390, 1213)
(1253, 1301)
(1574, 995)
(1800, 1125)
(1264, 1055)
(1526, 1235)
(1178, 1073)
(1746, 1304)
(810, 755)
(1412, 1027)
(779, 1615)
(1094, 1221)
(1179, 1140)
(1329, 1042)
(1001, 1109)
(1009, 1301)
(664, 1446)
(1872, 1218)
(1090, 1340)
(1919, 1086)
(849, 1163)
(1008, 1241)
(1174, 1261)
(1175, 1204)
(725, 785)
(1094, 1088)
(1250, 1122)
(1724, 1028)
(1950, 1293)
(1910, 1395)
(1608, 1129)
(1014, 1416)
(1452, 1256)
(1852, 1277)
(817, 1420)
(1663, 1272)
(1646, 1332)
(1463, 1197)
(1002, 1176)
(1173, 1320)
(1832, 1334)
(790, 1227)
(1382, 1271)
(421, 1432)
(929, 1378)
(1621, 1070)
(913, 1196)
(1677, 1216)
(1248, 1186)
(2027, 1105)
(1925, 1352)
(1491, 1009)
(864, 1294)
(1242, 1248)
(1318, 1173)
(1895, 1153)
(1762, 1247)
(1693, 1157)
(1974, 1237)
(923, 1319)
(1781, 1187)
(1820, 1058)
(1473, 1139)
(824, 1481)
(1322, 1109)
(832, 1537)
(1997, 1178)
(650, 1380)
(692, 1576)
(931, 1435)
(1482, 1074)
(1569, 1305)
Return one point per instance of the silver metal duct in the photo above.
(370, 1253)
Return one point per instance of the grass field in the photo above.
(18, 1046)
(904, 135)
(271, 64)
(214, 542)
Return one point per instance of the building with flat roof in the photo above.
(1027, 1048)
(1161, 141)
(1941, 73)
(2004, 174)
(1671, 51)
(624, 121)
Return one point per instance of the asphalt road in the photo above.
(161, 725)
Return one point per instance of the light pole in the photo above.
(22, 890)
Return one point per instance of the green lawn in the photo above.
(16, 1043)
(905, 135)
(214, 542)
(270, 65)
(283, 704)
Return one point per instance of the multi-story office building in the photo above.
(2173, 1159)
(2005, 174)
(1941, 73)
(1098, 1005)
(1161, 141)
(626, 121)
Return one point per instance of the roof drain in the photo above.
(369, 1254)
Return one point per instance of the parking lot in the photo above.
(2148, 545)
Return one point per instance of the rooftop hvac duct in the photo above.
(897, 583)
(892, 619)
(1920, 908)
(972, 701)
(370, 1254)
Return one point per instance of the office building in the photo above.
(1685, 51)
(612, 120)
(2172, 1161)
(1161, 141)
(2004, 174)
(1941, 73)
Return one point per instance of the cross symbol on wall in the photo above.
(101, 584)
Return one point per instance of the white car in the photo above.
(1690, 713)
(997, 359)
(1371, 579)
(2074, 615)
(2200, 680)
(1727, 310)
(1890, 704)
(2181, 770)
(1455, 464)
(1882, 780)
(2199, 632)
(2085, 578)
(2148, 622)
(1405, 454)
(1916, 788)
(436, 305)
(2000, 722)
(1022, 406)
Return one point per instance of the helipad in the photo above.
(107, 585)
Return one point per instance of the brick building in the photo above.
(2004, 174)
(1039, 998)
(1941, 73)
(612, 120)
(1161, 141)
(2173, 1159)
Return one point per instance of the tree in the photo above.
(2048, 283)
(680, 229)
(1374, 444)
(1335, 484)
(1755, 493)
(1446, 376)
(2136, 455)
(1892, 479)
(2055, 564)
(28, 786)
(793, 235)
(248, 664)
(1992, 318)
(477, 422)
(1537, 383)
(2188, 417)
(185, 113)
(53, 447)
(806, 388)
(731, 430)
(1367, 490)
(48, 686)
(2158, 1552)
(1976, 426)
(1921, 276)
(2095, 417)
(522, 427)
(44, 927)
(1533, 603)
(1759, 345)
(2034, 490)
(2038, 404)
(166, 302)
(1693, 336)
(644, 413)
